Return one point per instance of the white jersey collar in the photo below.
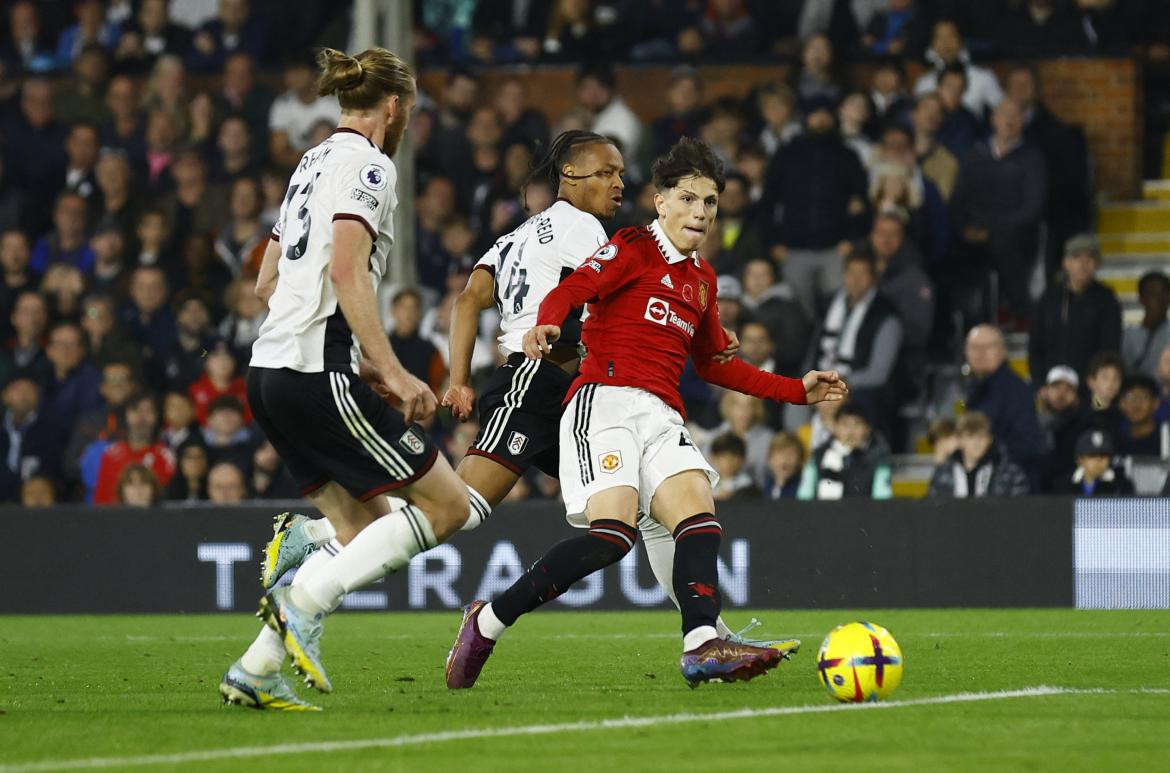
(669, 251)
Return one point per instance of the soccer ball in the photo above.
(859, 662)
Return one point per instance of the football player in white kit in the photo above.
(522, 403)
(320, 370)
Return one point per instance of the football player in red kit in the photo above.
(624, 446)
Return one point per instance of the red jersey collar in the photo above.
(667, 248)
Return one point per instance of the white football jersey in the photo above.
(529, 262)
(344, 178)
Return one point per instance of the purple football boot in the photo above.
(470, 650)
(720, 660)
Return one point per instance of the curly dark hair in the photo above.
(688, 158)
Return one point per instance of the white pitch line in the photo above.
(241, 752)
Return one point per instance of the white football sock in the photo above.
(319, 531)
(698, 636)
(479, 512)
(659, 544)
(265, 655)
(490, 625)
(385, 546)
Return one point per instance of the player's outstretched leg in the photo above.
(294, 537)
(239, 687)
(659, 545)
(606, 542)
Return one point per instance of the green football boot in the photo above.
(272, 693)
(288, 548)
(301, 633)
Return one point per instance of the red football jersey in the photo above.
(649, 307)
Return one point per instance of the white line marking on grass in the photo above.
(241, 752)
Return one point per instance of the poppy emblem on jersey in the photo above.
(688, 293)
(608, 252)
(704, 288)
(373, 177)
(611, 461)
(516, 443)
(411, 442)
(657, 310)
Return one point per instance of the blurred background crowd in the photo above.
(922, 222)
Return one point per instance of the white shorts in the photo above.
(622, 436)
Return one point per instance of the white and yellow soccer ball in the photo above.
(859, 662)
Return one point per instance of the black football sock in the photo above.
(696, 575)
(606, 543)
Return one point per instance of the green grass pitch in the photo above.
(111, 691)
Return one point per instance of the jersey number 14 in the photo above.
(516, 287)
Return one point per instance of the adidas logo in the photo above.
(666, 281)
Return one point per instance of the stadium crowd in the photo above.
(882, 228)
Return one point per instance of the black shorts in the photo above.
(333, 426)
(520, 415)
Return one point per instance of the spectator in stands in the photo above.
(137, 487)
(998, 205)
(852, 117)
(819, 430)
(110, 272)
(92, 31)
(728, 455)
(162, 146)
(603, 109)
(943, 438)
(194, 206)
(726, 30)
(1141, 433)
(26, 444)
(1062, 421)
(434, 207)
(521, 123)
(219, 378)
(12, 199)
(227, 436)
(28, 48)
(118, 205)
(270, 477)
(149, 35)
(1068, 209)
(34, 151)
(1095, 475)
(15, 276)
(773, 305)
(814, 196)
(740, 238)
(743, 416)
(1042, 28)
(38, 491)
(139, 446)
(118, 383)
(225, 484)
(901, 280)
(896, 29)
(979, 468)
(72, 388)
(234, 30)
(246, 313)
(84, 99)
(938, 164)
(24, 353)
(506, 30)
(296, 111)
(418, 355)
(125, 130)
(816, 82)
(982, 91)
(1103, 377)
(575, 34)
(105, 339)
(786, 459)
(190, 482)
(860, 336)
(1002, 396)
(147, 318)
(855, 463)
(202, 270)
(1142, 344)
(179, 422)
(63, 285)
(243, 232)
(233, 158)
(1077, 316)
(684, 98)
(241, 95)
(67, 242)
(960, 128)
(887, 95)
(776, 103)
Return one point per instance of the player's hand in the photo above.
(824, 386)
(540, 339)
(459, 398)
(729, 351)
(418, 401)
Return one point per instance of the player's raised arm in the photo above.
(477, 296)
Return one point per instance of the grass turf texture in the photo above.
(89, 687)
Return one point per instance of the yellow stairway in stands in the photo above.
(1135, 238)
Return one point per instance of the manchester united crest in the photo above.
(611, 461)
(704, 288)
